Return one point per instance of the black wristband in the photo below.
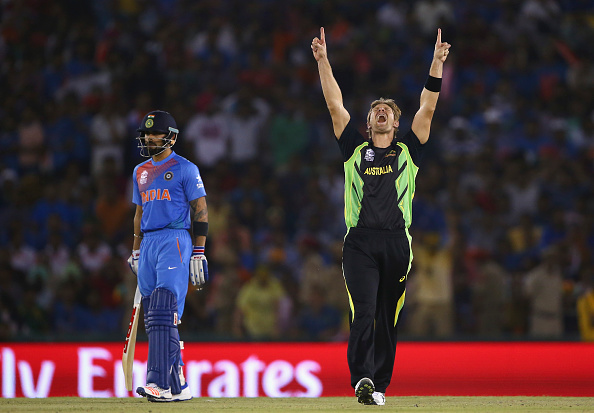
(433, 84)
(200, 229)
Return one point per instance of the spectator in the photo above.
(433, 289)
(92, 250)
(108, 133)
(317, 320)
(258, 304)
(208, 133)
(543, 287)
(490, 297)
(112, 209)
(22, 255)
(246, 126)
(32, 153)
(585, 309)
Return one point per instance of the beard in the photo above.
(155, 150)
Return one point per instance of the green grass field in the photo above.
(325, 404)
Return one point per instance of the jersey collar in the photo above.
(164, 160)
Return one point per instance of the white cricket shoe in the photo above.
(364, 391)
(154, 393)
(379, 398)
(186, 394)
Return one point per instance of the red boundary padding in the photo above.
(305, 369)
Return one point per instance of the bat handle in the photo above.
(137, 296)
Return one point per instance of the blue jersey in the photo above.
(164, 190)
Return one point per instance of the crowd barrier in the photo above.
(305, 369)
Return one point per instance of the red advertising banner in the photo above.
(304, 369)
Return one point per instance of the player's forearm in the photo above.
(199, 212)
(137, 233)
(436, 69)
(421, 124)
(330, 88)
(428, 97)
(200, 241)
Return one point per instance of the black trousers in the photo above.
(375, 267)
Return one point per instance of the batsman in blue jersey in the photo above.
(170, 228)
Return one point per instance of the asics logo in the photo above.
(171, 268)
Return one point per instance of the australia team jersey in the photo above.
(379, 182)
(164, 190)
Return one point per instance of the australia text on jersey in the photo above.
(378, 170)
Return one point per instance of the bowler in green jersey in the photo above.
(380, 172)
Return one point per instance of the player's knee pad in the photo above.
(146, 302)
(162, 310)
(163, 337)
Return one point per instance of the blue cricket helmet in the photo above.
(157, 122)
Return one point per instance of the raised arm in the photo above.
(421, 124)
(332, 94)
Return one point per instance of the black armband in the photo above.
(200, 229)
(433, 84)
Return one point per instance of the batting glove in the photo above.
(133, 261)
(198, 267)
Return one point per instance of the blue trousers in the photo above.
(164, 262)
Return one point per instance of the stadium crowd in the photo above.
(503, 221)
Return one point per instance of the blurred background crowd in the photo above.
(503, 219)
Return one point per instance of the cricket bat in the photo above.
(130, 344)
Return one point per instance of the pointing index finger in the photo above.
(438, 35)
(322, 36)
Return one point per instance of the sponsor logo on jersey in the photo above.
(143, 177)
(391, 153)
(379, 170)
(168, 175)
(369, 155)
(155, 194)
